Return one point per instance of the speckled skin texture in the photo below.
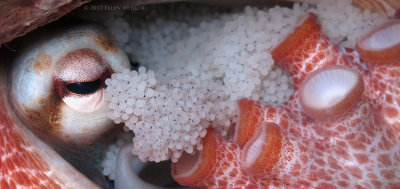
(357, 149)
(19, 165)
(26, 162)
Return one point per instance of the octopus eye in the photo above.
(57, 84)
(330, 91)
(79, 79)
(84, 87)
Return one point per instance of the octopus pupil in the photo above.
(84, 87)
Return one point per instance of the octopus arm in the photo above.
(27, 162)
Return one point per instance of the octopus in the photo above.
(53, 123)
(340, 129)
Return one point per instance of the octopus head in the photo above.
(57, 84)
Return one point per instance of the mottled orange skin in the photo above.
(26, 161)
(359, 149)
(20, 166)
